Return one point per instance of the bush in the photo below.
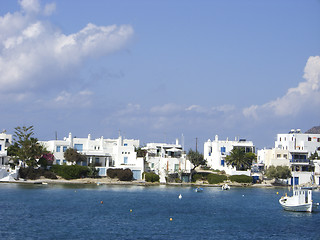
(70, 172)
(216, 178)
(125, 175)
(33, 174)
(241, 179)
(113, 172)
(151, 177)
(121, 174)
(199, 176)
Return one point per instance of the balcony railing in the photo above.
(299, 160)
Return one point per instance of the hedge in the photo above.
(121, 174)
(151, 177)
(216, 178)
(70, 172)
(33, 174)
(241, 179)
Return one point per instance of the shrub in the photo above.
(70, 172)
(125, 175)
(151, 177)
(33, 174)
(199, 176)
(121, 174)
(241, 179)
(216, 178)
(113, 172)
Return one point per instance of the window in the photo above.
(78, 147)
(7, 140)
(223, 149)
(152, 165)
(285, 156)
(278, 155)
(280, 139)
(125, 160)
(318, 140)
(222, 163)
(64, 148)
(97, 160)
(176, 167)
(58, 161)
(64, 161)
(126, 144)
(58, 149)
(309, 139)
(0, 147)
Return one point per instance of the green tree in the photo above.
(141, 152)
(26, 148)
(240, 159)
(72, 155)
(314, 156)
(195, 158)
(279, 172)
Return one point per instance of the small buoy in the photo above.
(101, 202)
(180, 196)
(130, 210)
(242, 195)
(170, 219)
(277, 193)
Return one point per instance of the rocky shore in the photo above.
(110, 181)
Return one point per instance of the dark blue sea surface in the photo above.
(139, 212)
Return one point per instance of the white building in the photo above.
(273, 157)
(293, 149)
(164, 159)
(6, 172)
(103, 153)
(5, 142)
(215, 153)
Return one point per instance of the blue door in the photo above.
(296, 181)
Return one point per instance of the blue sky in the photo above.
(155, 70)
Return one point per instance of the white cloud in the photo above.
(33, 53)
(306, 96)
(70, 100)
(168, 108)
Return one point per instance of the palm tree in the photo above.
(240, 159)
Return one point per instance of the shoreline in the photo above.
(108, 181)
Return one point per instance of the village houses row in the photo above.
(292, 149)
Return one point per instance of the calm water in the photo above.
(76, 212)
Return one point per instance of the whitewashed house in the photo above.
(6, 173)
(293, 149)
(215, 153)
(5, 142)
(164, 159)
(103, 153)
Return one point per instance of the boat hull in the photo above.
(307, 207)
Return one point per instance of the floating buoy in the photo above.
(170, 219)
(101, 202)
(277, 193)
(130, 210)
(242, 195)
(180, 196)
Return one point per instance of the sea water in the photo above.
(144, 212)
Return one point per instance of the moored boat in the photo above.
(198, 189)
(300, 201)
(225, 187)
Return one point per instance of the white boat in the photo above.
(225, 187)
(198, 189)
(300, 201)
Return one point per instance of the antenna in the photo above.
(196, 144)
(56, 135)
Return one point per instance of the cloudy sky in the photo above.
(155, 70)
